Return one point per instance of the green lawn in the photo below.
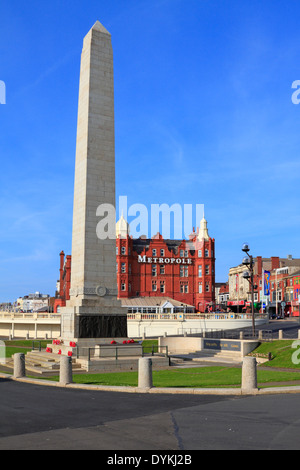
(27, 343)
(284, 356)
(21, 346)
(202, 377)
(10, 351)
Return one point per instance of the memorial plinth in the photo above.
(93, 310)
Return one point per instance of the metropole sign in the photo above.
(149, 260)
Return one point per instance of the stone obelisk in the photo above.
(93, 310)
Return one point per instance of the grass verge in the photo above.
(283, 354)
(203, 377)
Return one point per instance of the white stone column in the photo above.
(19, 365)
(249, 375)
(145, 373)
(65, 371)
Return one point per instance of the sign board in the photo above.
(222, 345)
(155, 260)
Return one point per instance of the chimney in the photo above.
(61, 272)
(275, 262)
(259, 265)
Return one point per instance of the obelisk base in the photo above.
(75, 327)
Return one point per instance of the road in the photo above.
(289, 326)
(37, 417)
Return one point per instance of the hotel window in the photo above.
(200, 270)
(129, 268)
(279, 296)
(206, 253)
(129, 287)
(184, 288)
(123, 250)
(154, 287)
(207, 287)
(162, 252)
(200, 287)
(200, 253)
(154, 252)
(207, 269)
(181, 273)
(123, 268)
(117, 250)
(123, 286)
(162, 269)
(186, 271)
(186, 253)
(116, 267)
(162, 287)
(154, 272)
(181, 254)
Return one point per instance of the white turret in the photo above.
(122, 228)
(203, 232)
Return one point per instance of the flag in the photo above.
(267, 275)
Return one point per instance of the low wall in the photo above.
(31, 325)
(139, 328)
(41, 325)
(188, 345)
(118, 350)
(122, 364)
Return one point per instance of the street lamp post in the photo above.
(249, 275)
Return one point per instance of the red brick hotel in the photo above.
(182, 270)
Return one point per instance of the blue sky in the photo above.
(203, 115)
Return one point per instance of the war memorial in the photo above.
(93, 310)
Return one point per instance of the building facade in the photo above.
(183, 270)
(64, 283)
(33, 303)
(283, 297)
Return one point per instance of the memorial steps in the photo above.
(196, 358)
(44, 363)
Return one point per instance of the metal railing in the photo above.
(39, 345)
(265, 335)
(90, 353)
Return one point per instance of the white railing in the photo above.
(179, 316)
(191, 316)
(29, 316)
